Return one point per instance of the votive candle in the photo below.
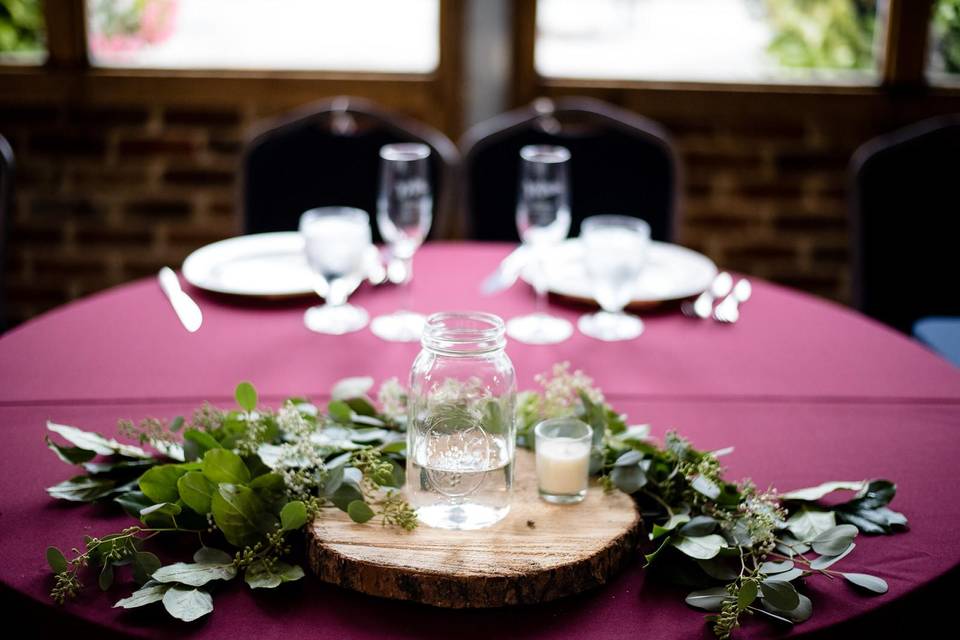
(563, 448)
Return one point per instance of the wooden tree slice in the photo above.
(539, 552)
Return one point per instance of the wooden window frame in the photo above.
(67, 76)
(901, 70)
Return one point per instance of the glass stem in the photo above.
(540, 282)
(407, 284)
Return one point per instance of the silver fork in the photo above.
(703, 305)
(728, 311)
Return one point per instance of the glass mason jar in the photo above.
(461, 432)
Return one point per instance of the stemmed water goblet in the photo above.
(543, 221)
(404, 216)
(614, 251)
(336, 241)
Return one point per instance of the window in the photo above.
(945, 40)
(708, 40)
(21, 32)
(398, 36)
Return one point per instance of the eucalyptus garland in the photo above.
(244, 482)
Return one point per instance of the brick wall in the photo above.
(106, 195)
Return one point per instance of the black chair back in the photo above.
(6, 202)
(905, 223)
(620, 163)
(328, 154)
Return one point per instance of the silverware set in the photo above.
(721, 301)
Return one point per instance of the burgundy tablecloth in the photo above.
(805, 390)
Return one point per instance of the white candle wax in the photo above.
(562, 465)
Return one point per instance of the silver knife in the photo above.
(507, 271)
(186, 309)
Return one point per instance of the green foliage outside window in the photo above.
(827, 34)
(21, 26)
(946, 28)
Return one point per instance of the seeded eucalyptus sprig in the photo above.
(245, 479)
(744, 550)
(242, 479)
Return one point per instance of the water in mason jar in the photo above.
(462, 479)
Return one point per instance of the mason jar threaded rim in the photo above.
(463, 333)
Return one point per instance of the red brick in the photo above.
(199, 177)
(154, 145)
(159, 209)
(68, 143)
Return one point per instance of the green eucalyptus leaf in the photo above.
(211, 555)
(123, 468)
(144, 564)
(699, 547)
(807, 524)
(827, 561)
(675, 521)
(260, 575)
(628, 479)
(629, 458)
(708, 599)
(162, 514)
(351, 388)
(398, 446)
(747, 594)
(223, 465)
(699, 526)
(800, 613)
(706, 487)
(160, 483)
(776, 567)
(70, 455)
(56, 560)
(95, 442)
(196, 491)
(812, 494)
(187, 604)
(786, 576)
(240, 515)
(868, 582)
(340, 411)
(147, 594)
(726, 569)
(246, 396)
(133, 502)
(82, 489)
(105, 580)
(780, 593)
(834, 541)
(203, 440)
(293, 515)
(344, 495)
(359, 511)
(362, 407)
(195, 574)
(176, 424)
(650, 557)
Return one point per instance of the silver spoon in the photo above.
(703, 305)
(728, 311)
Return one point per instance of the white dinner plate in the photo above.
(671, 273)
(267, 265)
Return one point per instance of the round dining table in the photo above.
(805, 390)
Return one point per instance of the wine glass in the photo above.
(404, 216)
(336, 241)
(614, 251)
(543, 220)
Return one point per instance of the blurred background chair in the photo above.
(6, 200)
(328, 154)
(906, 224)
(620, 163)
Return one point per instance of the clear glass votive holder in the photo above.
(563, 448)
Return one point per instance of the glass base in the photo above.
(401, 326)
(461, 516)
(611, 327)
(563, 498)
(539, 328)
(335, 319)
